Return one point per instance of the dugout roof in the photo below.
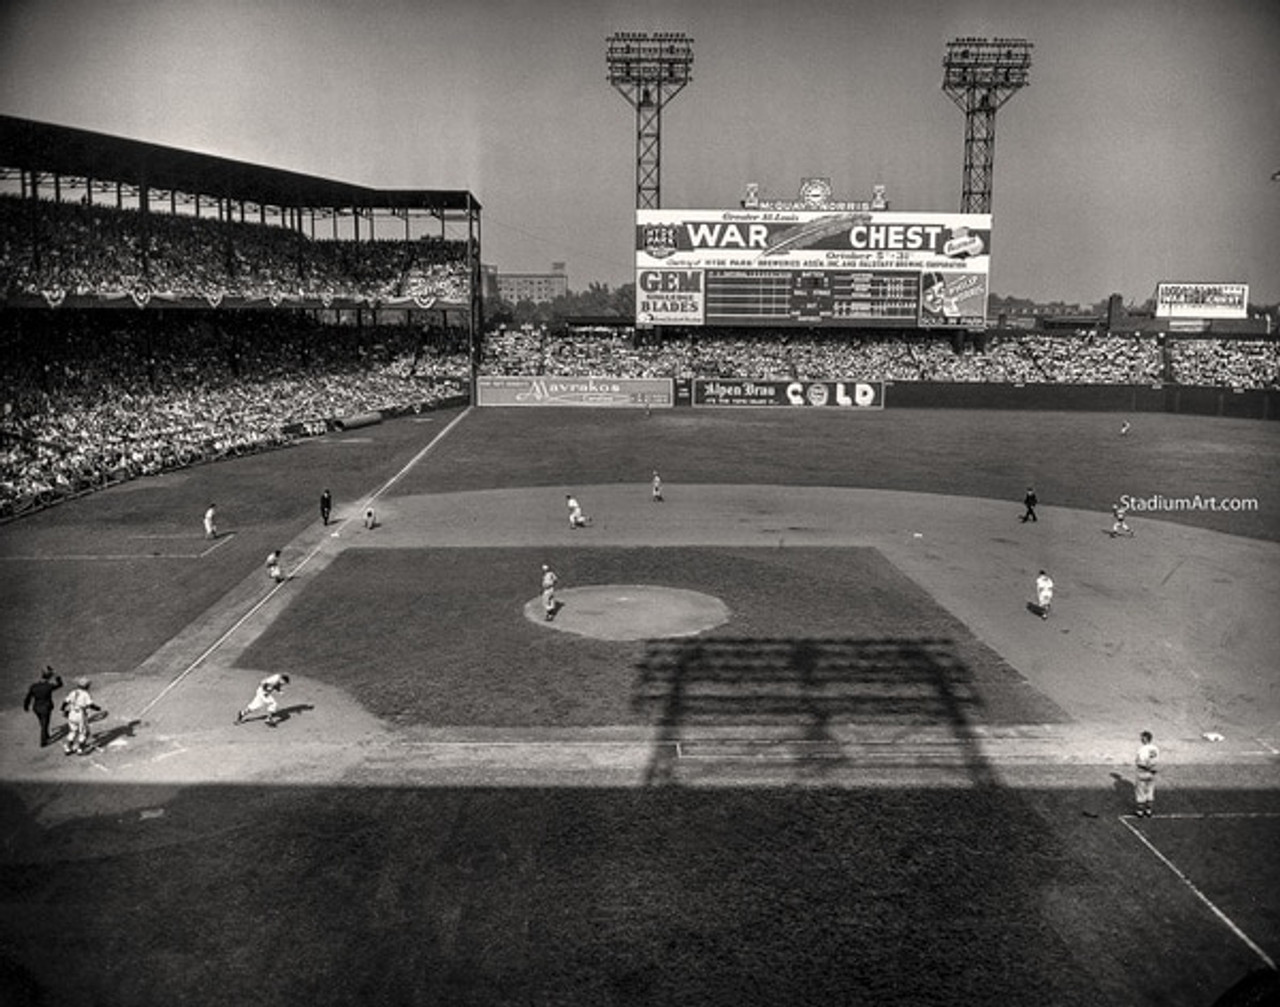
(62, 150)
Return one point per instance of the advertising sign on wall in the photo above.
(738, 392)
(550, 390)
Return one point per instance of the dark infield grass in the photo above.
(438, 637)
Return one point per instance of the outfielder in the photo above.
(265, 698)
(657, 487)
(211, 522)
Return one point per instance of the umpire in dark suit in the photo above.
(40, 699)
(1029, 502)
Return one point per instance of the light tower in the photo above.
(980, 75)
(649, 70)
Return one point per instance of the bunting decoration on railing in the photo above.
(141, 293)
(54, 296)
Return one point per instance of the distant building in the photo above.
(540, 288)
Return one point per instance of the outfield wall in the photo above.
(1253, 404)
(784, 393)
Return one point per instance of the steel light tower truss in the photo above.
(980, 75)
(649, 70)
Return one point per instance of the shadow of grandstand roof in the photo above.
(63, 150)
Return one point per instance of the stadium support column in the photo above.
(649, 70)
(475, 314)
(980, 75)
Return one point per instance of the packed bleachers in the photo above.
(1028, 358)
(96, 397)
(98, 250)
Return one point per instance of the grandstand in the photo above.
(254, 306)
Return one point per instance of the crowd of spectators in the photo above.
(1027, 358)
(92, 249)
(1234, 363)
(96, 397)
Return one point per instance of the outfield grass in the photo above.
(1073, 459)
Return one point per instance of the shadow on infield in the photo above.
(811, 702)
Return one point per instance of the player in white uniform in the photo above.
(549, 580)
(1144, 784)
(273, 566)
(265, 698)
(1119, 527)
(657, 488)
(576, 518)
(1044, 593)
(211, 522)
(77, 706)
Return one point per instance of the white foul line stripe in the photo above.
(306, 559)
(1199, 894)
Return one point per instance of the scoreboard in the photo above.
(811, 268)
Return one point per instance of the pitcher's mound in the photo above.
(630, 612)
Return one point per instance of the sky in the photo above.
(1142, 151)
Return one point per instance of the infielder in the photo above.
(273, 566)
(1144, 784)
(211, 522)
(576, 518)
(1119, 527)
(265, 698)
(1044, 593)
(549, 580)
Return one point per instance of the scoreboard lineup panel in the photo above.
(713, 267)
(810, 297)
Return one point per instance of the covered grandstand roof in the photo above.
(62, 150)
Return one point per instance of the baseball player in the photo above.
(1119, 527)
(273, 566)
(326, 506)
(1044, 593)
(549, 580)
(576, 518)
(1144, 784)
(211, 522)
(657, 487)
(370, 519)
(77, 706)
(265, 698)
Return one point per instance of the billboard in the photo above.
(812, 268)
(1202, 300)
(767, 392)
(553, 390)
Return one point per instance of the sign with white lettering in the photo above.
(549, 390)
(812, 268)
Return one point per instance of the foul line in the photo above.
(305, 560)
(1199, 894)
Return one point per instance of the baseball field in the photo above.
(794, 735)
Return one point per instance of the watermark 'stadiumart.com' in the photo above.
(1196, 501)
